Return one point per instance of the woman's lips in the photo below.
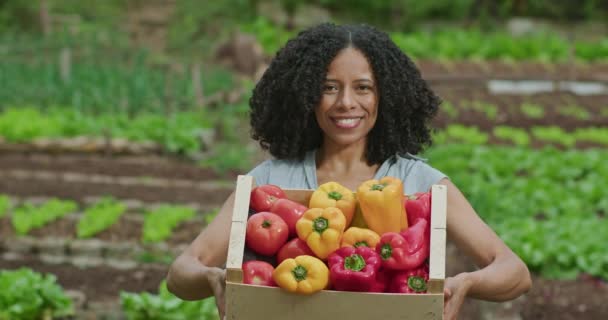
(346, 123)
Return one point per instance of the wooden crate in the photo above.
(249, 302)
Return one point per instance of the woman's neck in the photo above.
(341, 159)
(347, 165)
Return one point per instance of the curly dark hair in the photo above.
(283, 102)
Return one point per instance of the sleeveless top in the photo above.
(416, 174)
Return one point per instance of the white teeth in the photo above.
(347, 121)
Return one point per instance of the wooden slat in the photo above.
(242, 194)
(437, 259)
(438, 206)
(234, 275)
(266, 303)
(438, 238)
(435, 286)
(240, 213)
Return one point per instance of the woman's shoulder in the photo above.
(415, 172)
(287, 173)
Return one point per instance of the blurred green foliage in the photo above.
(537, 197)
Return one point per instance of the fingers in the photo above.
(218, 283)
(452, 300)
(447, 292)
(220, 301)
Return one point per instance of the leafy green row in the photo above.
(455, 44)
(178, 132)
(534, 198)
(140, 306)
(458, 44)
(530, 110)
(5, 204)
(27, 294)
(159, 222)
(521, 137)
(110, 86)
(99, 217)
(29, 216)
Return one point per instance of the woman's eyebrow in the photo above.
(356, 80)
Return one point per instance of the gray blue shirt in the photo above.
(416, 174)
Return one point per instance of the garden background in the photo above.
(123, 125)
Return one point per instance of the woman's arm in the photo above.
(195, 274)
(502, 275)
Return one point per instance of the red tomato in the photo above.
(295, 247)
(266, 233)
(264, 196)
(258, 273)
(290, 211)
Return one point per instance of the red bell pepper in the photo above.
(258, 273)
(406, 250)
(353, 269)
(290, 211)
(264, 196)
(293, 248)
(410, 281)
(418, 206)
(383, 278)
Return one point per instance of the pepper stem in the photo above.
(386, 251)
(416, 283)
(335, 195)
(266, 224)
(354, 262)
(378, 186)
(360, 244)
(299, 273)
(320, 224)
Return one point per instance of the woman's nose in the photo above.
(347, 99)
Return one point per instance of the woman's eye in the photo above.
(364, 88)
(330, 88)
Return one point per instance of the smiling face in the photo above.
(349, 103)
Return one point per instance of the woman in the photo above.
(344, 104)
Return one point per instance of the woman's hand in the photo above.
(455, 291)
(217, 281)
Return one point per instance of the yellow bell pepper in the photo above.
(357, 237)
(382, 206)
(358, 220)
(333, 194)
(322, 230)
(302, 274)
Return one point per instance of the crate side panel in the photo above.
(265, 303)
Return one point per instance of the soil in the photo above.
(122, 166)
(32, 187)
(125, 230)
(437, 71)
(509, 112)
(584, 298)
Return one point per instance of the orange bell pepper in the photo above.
(382, 206)
(357, 237)
(322, 230)
(333, 194)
